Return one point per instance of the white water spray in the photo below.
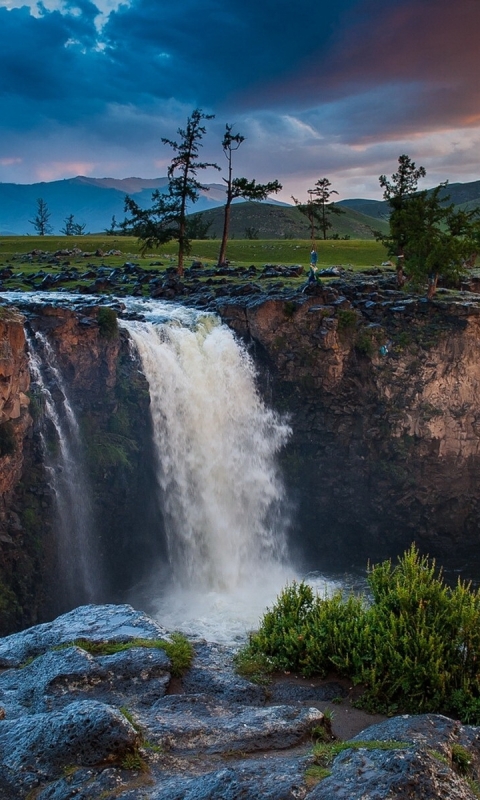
(79, 579)
(216, 445)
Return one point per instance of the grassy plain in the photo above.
(353, 253)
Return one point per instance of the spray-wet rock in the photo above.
(420, 762)
(213, 736)
(195, 722)
(38, 747)
(57, 677)
(119, 623)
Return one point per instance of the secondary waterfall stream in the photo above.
(223, 499)
(78, 564)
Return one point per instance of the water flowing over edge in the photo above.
(223, 499)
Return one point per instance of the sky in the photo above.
(334, 89)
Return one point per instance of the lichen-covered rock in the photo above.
(37, 747)
(195, 722)
(213, 674)
(120, 623)
(424, 767)
(269, 779)
(57, 677)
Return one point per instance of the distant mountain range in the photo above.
(94, 201)
(464, 195)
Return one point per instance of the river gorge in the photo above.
(190, 461)
(276, 437)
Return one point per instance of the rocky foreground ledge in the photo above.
(75, 725)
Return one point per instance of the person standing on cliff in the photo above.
(312, 272)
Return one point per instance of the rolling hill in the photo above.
(270, 221)
(465, 195)
(94, 201)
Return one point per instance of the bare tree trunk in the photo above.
(181, 247)
(226, 226)
(432, 285)
(400, 275)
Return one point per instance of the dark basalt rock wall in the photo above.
(384, 401)
(111, 401)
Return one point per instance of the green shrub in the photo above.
(415, 647)
(347, 319)
(364, 344)
(107, 322)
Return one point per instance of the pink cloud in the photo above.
(61, 169)
(8, 162)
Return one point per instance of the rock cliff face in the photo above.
(383, 396)
(15, 427)
(382, 391)
(110, 399)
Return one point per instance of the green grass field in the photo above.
(354, 253)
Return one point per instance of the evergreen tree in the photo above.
(398, 192)
(319, 207)
(72, 228)
(437, 240)
(41, 220)
(166, 219)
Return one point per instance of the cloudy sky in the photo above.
(334, 89)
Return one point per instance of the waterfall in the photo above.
(216, 445)
(78, 580)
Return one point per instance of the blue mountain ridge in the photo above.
(94, 201)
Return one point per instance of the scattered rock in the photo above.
(78, 725)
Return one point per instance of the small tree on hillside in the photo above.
(319, 207)
(398, 192)
(41, 220)
(198, 226)
(72, 228)
(166, 219)
(113, 229)
(239, 187)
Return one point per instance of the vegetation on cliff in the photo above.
(415, 645)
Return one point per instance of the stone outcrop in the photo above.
(75, 724)
(110, 398)
(382, 392)
(15, 426)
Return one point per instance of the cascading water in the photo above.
(223, 499)
(219, 491)
(78, 580)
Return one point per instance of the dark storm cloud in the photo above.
(212, 51)
(47, 65)
(399, 67)
(312, 85)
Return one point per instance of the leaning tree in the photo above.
(239, 187)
